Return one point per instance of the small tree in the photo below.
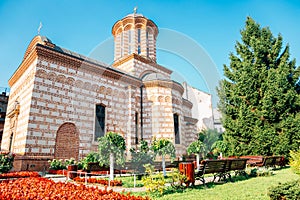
(163, 147)
(219, 146)
(141, 156)
(209, 137)
(111, 148)
(196, 147)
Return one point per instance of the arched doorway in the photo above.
(67, 142)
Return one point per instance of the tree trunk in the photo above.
(164, 165)
(111, 167)
(198, 160)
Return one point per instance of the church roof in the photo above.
(45, 42)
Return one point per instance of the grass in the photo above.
(128, 181)
(241, 188)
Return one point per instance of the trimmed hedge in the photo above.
(286, 191)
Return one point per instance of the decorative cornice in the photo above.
(187, 103)
(87, 65)
(191, 120)
(165, 83)
(141, 59)
(137, 21)
(23, 66)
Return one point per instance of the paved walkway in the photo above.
(61, 178)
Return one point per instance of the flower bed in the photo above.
(42, 188)
(116, 171)
(57, 171)
(21, 174)
(100, 181)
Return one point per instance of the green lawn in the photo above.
(252, 188)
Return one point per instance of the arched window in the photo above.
(139, 41)
(139, 35)
(176, 128)
(99, 121)
(11, 142)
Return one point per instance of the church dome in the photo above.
(155, 76)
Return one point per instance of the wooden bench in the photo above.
(254, 160)
(237, 165)
(265, 161)
(222, 169)
(279, 161)
(215, 167)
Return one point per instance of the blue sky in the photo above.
(81, 26)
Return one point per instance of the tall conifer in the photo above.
(258, 96)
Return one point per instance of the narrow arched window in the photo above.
(176, 128)
(99, 121)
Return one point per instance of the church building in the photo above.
(61, 102)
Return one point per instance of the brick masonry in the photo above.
(54, 94)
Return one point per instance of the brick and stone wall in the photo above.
(54, 93)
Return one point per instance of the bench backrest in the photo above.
(254, 159)
(236, 164)
(269, 161)
(279, 161)
(214, 166)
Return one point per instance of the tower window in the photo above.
(139, 35)
(99, 122)
(122, 44)
(176, 129)
(139, 41)
(147, 43)
(130, 35)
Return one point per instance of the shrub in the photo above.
(70, 161)
(57, 164)
(92, 157)
(261, 171)
(289, 190)
(6, 161)
(154, 183)
(264, 172)
(295, 161)
(177, 179)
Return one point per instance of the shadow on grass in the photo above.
(209, 185)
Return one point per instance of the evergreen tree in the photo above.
(258, 98)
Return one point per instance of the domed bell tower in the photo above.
(135, 34)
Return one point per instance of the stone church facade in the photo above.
(61, 102)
